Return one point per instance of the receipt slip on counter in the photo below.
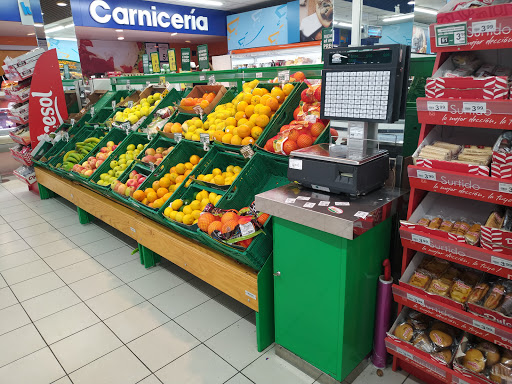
(252, 288)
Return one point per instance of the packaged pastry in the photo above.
(474, 360)
(501, 374)
(418, 325)
(421, 341)
(423, 221)
(440, 286)
(440, 338)
(478, 293)
(404, 332)
(420, 279)
(506, 305)
(470, 277)
(453, 148)
(462, 228)
(445, 355)
(460, 291)
(506, 358)
(440, 326)
(451, 274)
(494, 298)
(491, 353)
(495, 220)
(435, 223)
(436, 267)
(472, 236)
(446, 226)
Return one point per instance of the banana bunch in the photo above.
(75, 156)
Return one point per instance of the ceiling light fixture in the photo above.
(398, 17)
(119, 30)
(411, 2)
(120, 38)
(55, 29)
(430, 11)
(30, 34)
(61, 4)
(344, 24)
(174, 34)
(204, 2)
(187, 41)
(38, 25)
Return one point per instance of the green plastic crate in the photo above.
(124, 178)
(217, 157)
(261, 174)
(171, 99)
(180, 154)
(191, 231)
(134, 138)
(47, 151)
(101, 116)
(70, 145)
(157, 142)
(181, 117)
(115, 135)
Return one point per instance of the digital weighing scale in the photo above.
(364, 86)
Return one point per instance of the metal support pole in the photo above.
(357, 11)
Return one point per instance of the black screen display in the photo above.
(384, 56)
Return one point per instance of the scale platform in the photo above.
(339, 168)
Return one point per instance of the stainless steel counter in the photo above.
(339, 215)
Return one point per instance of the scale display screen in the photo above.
(365, 83)
(361, 57)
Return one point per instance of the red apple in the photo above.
(141, 180)
(121, 189)
(131, 183)
(88, 173)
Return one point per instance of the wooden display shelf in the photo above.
(475, 187)
(467, 321)
(242, 283)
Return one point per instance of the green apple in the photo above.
(123, 156)
(140, 147)
(123, 167)
(110, 173)
(129, 157)
(130, 147)
(129, 162)
(118, 173)
(113, 164)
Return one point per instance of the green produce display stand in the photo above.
(326, 268)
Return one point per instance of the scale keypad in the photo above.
(357, 95)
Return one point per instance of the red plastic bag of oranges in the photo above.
(234, 228)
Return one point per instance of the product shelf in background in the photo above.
(477, 325)
(485, 260)
(440, 372)
(478, 113)
(475, 187)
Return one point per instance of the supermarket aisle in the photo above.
(77, 307)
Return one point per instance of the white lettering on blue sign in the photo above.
(148, 18)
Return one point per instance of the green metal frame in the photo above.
(84, 217)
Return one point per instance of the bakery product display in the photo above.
(474, 360)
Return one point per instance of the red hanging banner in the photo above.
(47, 104)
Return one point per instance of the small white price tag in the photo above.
(501, 262)
(178, 137)
(303, 198)
(283, 76)
(247, 229)
(114, 104)
(130, 104)
(202, 77)
(289, 201)
(505, 188)
(295, 164)
(247, 151)
(415, 299)
(72, 122)
(311, 119)
(324, 203)
(426, 175)
(469, 107)
(486, 26)
(92, 111)
(405, 353)
(437, 106)
(96, 126)
(484, 327)
(361, 214)
(342, 203)
(259, 75)
(356, 133)
(211, 80)
(309, 205)
(420, 239)
(205, 138)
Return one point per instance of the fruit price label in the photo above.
(486, 26)
(205, 138)
(247, 152)
(259, 75)
(484, 327)
(126, 126)
(283, 76)
(309, 205)
(505, 188)
(289, 201)
(468, 107)
(303, 198)
(202, 77)
(415, 299)
(96, 126)
(114, 104)
(420, 239)
(501, 262)
(130, 104)
(451, 34)
(72, 122)
(92, 111)
(437, 106)
(342, 204)
(211, 80)
(324, 203)
(178, 137)
(405, 353)
(361, 214)
(246, 229)
(426, 175)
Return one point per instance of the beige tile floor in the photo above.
(77, 307)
